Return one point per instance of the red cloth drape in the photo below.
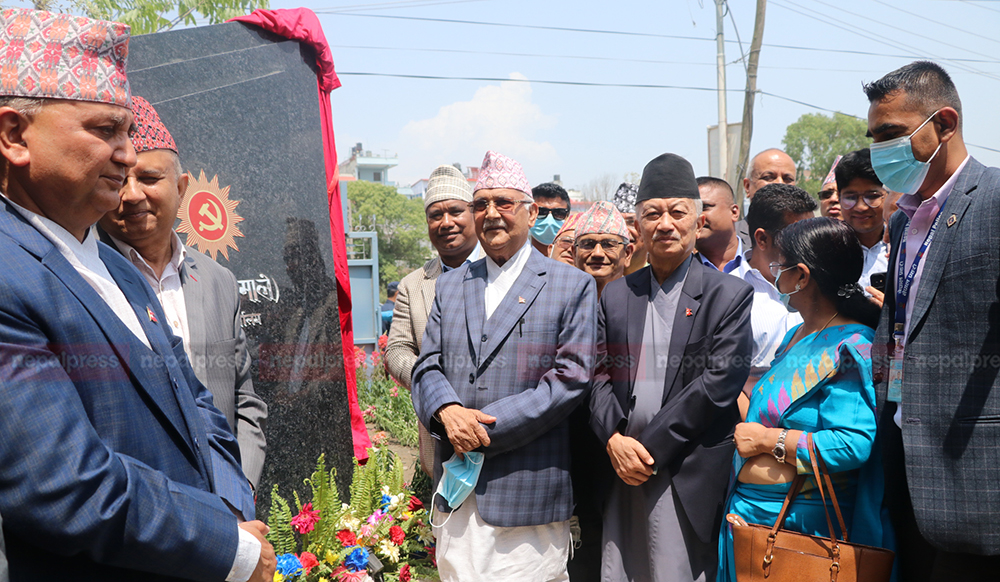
(301, 24)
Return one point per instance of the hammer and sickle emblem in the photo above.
(215, 219)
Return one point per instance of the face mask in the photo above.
(895, 165)
(783, 297)
(459, 479)
(545, 230)
(746, 206)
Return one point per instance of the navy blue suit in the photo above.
(113, 461)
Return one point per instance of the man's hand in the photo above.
(465, 427)
(630, 459)
(264, 572)
(878, 297)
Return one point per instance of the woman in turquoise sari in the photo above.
(820, 382)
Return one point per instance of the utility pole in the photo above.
(721, 64)
(753, 57)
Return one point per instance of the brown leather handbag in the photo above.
(772, 554)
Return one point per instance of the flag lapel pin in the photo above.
(149, 312)
(688, 312)
(520, 299)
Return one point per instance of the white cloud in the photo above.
(500, 118)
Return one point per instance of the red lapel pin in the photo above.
(520, 299)
(688, 312)
(149, 312)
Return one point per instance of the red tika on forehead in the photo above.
(59, 56)
(150, 133)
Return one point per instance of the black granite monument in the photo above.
(242, 105)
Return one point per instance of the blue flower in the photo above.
(386, 500)
(357, 560)
(289, 565)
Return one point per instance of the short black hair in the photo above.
(771, 203)
(927, 86)
(718, 183)
(551, 190)
(857, 164)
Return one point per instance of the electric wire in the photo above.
(936, 22)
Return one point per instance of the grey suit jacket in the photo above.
(951, 385)
(529, 365)
(413, 302)
(220, 357)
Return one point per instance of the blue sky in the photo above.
(584, 132)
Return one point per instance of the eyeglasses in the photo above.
(505, 205)
(557, 213)
(610, 245)
(776, 268)
(873, 198)
(564, 242)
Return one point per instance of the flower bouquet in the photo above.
(383, 534)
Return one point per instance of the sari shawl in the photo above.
(821, 385)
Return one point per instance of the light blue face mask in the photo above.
(546, 229)
(895, 165)
(783, 297)
(459, 480)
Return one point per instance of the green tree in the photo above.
(815, 140)
(148, 16)
(399, 223)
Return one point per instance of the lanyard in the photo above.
(904, 281)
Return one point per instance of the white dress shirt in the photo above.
(738, 266)
(876, 261)
(769, 319)
(86, 259)
(167, 286)
(499, 279)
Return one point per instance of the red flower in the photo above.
(404, 573)
(383, 341)
(397, 535)
(308, 561)
(306, 520)
(346, 538)
(415, 504)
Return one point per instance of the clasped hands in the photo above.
(465, 427)
(630, 459)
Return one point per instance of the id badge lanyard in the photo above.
(904, 280)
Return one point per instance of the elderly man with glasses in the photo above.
(861, 198)
(506, 357)
(602, 247)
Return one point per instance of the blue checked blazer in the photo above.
(529, 366)
(113, 461)
(951, 385)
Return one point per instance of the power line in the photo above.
(578, 57)
(613, 85)
(936, 23)
(390, 5)
(980, 6)
(642, 34)
(836, 23)
(904, 30)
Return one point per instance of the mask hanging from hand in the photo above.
(546, 229)
(895, 165)
(459, 480)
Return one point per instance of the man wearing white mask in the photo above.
(936, 353)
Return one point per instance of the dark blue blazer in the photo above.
(113, 461)
(711, 346)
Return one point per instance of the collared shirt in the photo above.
(167, 286)
(86, 259)
(499, 279)
(876, 261)
(921, 214)
(475, 255)
(738, 266)
(770, 320)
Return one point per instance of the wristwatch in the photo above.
(779, 448)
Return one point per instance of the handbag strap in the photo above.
(821, 474)
(792, 492)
